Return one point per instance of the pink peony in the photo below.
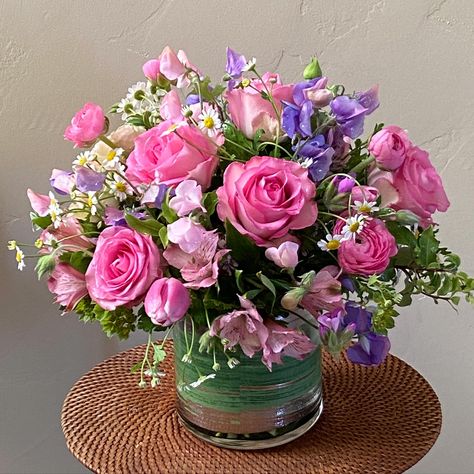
(124, 265)
(68, 285)
(370, 252)
(324, 292)
(199, 267)
(389, 146)
(244, 327)
(285, 256)
(167, 301)
(415, 186)
(171, 157)
(39, 202)
(250, 111)
(86, 125)
(283, 341)
(187, 198)
(267, 197)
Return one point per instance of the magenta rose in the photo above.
(124, 265)
(370, 252)
(389, 146)
(267, 197)
(169, 158)
(68, 285)
(415, 186)
(86, 125)
(167, 301)
(250, 111)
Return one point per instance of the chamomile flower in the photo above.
(365, 207)
(55, 213)
(112, 159)
(186, 111)
(20, 259)
(136, 93)
(12, 245)
(84, 158)
(39, 243)
(332, 242)
(354, 226)
(250, 64)
(120, 188)
(125, 107)
(209, 121)
(92, 202)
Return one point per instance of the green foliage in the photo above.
(148, 226)
(210, 202)
(237, 143)
(163, 234)
(40, 222)
(243, 249)
(168, 214)
(78, 260)
(45, 264)
(427, 250)
(146, 324)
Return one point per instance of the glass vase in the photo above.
(247, 406)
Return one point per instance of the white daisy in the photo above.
(55, 213)
(120, 188)
(92, 202)
(84, 158)
(354, 226)
(332, 242)
(365, 207)
(250, 64)
(20, 258)
(125, 107)
(209, 121)
(112, 159)
(136, 93)
(12, 245)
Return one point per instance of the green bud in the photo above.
(216, 367)
(204, 342)
(139, 95)
(291, 299)
(312, 70)
(406, 217)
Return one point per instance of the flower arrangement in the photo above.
(251, 209)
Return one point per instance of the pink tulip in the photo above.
(86, 125)
(167, 301)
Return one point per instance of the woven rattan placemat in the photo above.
(375, 420)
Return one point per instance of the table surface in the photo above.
(376, 420)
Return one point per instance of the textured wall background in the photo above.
(55, 55)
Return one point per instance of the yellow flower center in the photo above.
(365, 208)
(111, 155)
(208, 122)
(121, 187)
(333, 244)
(19, 257)
(354, 227)
(89, 201)
(245, 82)
(39, 243)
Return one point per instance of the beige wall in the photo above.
(55, 55)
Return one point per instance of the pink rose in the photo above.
(284, 341)
(124, 265)
(86, 125)
(167, 301)
(324, 292)
(200, 266)
(68, 285)
(415, 186)
(244, 327)
(267, 197)
(389, 146)
(285, 256)
(39, 202)
(250, 111)
(370, 252)
(171, 157)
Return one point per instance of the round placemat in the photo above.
(375, 420)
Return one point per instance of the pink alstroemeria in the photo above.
(39, 202)
(68, 285)
(187, 198)
(244, 327)
(187, 234)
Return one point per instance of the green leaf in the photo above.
(158, 354)
(267, 283)
(136, 367)
(238, 280)
(243, 249)
(163, 234)
(45, 264)
(402, 234)
(40, 221)
(167, 213)
(78, 260)
(428, 247)
(210, 202)
(250, 295)
(148, 226)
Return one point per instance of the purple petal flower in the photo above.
(320, 166)
(360, 317)
(89, 180)
(372, 349)
(155, 195)
(349, 114)
(192, 99)
(114, 216)
(297, 119)
(369, 99)
(347, 283)
(321, 154)
(235, 63)
(62, 181)
(300, 90)
(345, 185)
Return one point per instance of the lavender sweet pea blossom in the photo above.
(235, 66)
(62, 181)
(297, 119)
(319, 154)
(372, 349)
(369, 99)
(349, 114)
(89, 180)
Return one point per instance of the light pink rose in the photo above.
(243, 327)
(86, 125)
(171, 157)
(167, 301)
(415, 186)
(267, 197)
(324, 292)
(250, 111)
(68, 285)
(364, 193)
(389, 146)
(370, 253)
(124, 266)
(283, 341)
(69, 233)
(187, 198)
(285, 256)
(200, 267)
(39, 202)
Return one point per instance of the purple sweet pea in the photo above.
(334, 321)
(359, 316)
(305, 90)
(114, 216)
(369, 99)
(297, 119)
(372, 349)
(235, 66)
(320, 154)
(89, 180)
(349, 114)
(192, 99)
(344, 185)
(62, 181)
(347, 283)
(156, 194)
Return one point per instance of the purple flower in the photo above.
(235, 66)
(62, 181)
(320, 154)
(344, 185)
(359, 316)
(369, 99)
(192, 99)
(156, 194)
(370, 350)
(347, 283)
(305, 90)
(114, 216)
(89, 180)
(349, 114)
(297, 119)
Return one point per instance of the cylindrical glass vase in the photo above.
(247, 406)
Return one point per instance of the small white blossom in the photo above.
(112, 159)
(120, 188)
(84, 158)
(136, 93)
(92, 202)
(209, 121)
(354, 226)
(201, 379)
(12, 245)
(250, 64)
(306, 163)
(332, 242)
(365, 207)
(20, 258)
